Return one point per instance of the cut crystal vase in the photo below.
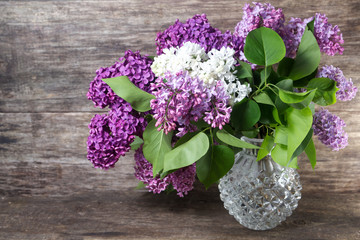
(260, 195)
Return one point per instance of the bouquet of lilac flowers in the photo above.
(185, 110)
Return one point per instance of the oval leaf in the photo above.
(231, 140)
(215, 164)
(263, 46)
(187, 153)
(245, 114)
(156, 145)
(124, 88)
(326, 91)
(266, 147)
(307, 57)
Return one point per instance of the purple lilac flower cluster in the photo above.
(197, 30)
(182, 179)
(111, 135)
(133, 65)
(328, 37)
(181, 99)
(347, 90)
(329, 129)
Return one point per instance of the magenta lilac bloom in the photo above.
(104, 148)
(182, 179)
(133, 65)
(328, 37)
(329, 129)
(144, 173)
(197, 30)
(347, 91)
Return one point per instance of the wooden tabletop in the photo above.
(49, 51)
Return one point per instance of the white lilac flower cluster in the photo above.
(211, 67)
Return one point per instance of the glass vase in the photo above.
(260, 195)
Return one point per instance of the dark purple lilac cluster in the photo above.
(111, 134)
(347, 91)
(329, 129)
(182, 179)
(197, 30)
(181, 99)
(133, 65)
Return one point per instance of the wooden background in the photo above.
(49, 51)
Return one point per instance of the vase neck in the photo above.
(254, 141)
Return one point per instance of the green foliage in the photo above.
(266, 147)
(325, 91)
(311, 153)
(231, 140)
(156, 145)
(307, 57)
(187, 153)
(214, 164)
(245, 114)
(136, 143)
(124, 88)
(263, 46)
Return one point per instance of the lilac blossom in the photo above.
(329, 129)
(104, 148)
(197, 30)
(181, 99)
(133, 65)
(347, 90)
(328, 37)
(182, 179)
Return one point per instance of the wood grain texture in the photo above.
(49, 51)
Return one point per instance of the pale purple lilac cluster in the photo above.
(196, 30)
(182, 179)
(181, 99)
(133, 65)
(328, 37)
(111, 134)
(347, 91)
(329, 129)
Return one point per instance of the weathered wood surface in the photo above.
(49, 51)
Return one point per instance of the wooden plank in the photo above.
(136, 215)
(51, 49)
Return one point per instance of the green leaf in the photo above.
(187, 153)
(306, 101)
(215, 164)
(263, 46)
(293, 97)
(279, 155)
(286, 84)
(244, 70)
(245, 114)
(266, 114)
(266, 147)
(156, 145)
(264, 99)
(264, 75)
(310, 25)
(307, 57)
(136, 143)
(303, 144)
(124, 88)
(326, 91)
(311, 153)
(281, 135)
(231, 140)
(285, 66)
(185, 138)
(251, 133)
(299, 124)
